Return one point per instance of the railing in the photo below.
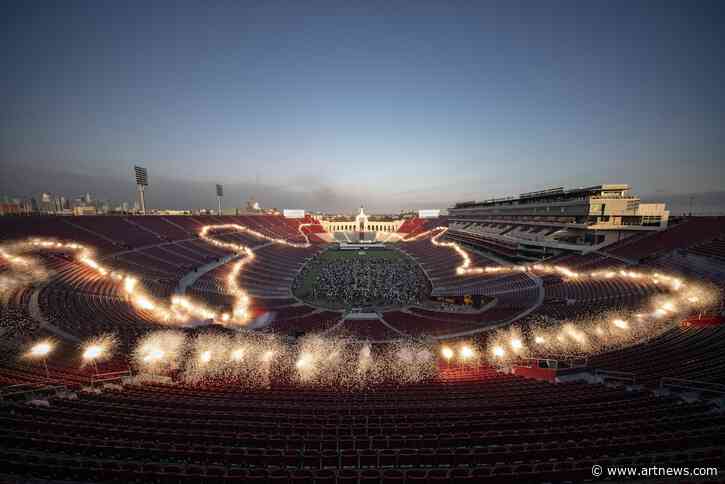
(692, 385)
(623, 376)
(28, 390)
(109, 377)
(554, 363)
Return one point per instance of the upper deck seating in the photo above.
(690, 232)
(692, 353)
(21, 228)
(162, 226)
(714, 248)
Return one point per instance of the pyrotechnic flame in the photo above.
(179, 309)
(159, 352)
(41, 349)
(365, 372)
(153, 355)
(464, 268)
(410, 361)
(668, 306)
(447, 353)
(237, 354)
(92, 352)
(144, 303)
(466, 352)
(304, 361)
(129, 284)
(99, 348)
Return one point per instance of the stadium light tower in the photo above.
(142, 180)
(219, 195)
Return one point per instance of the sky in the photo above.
(327, 105)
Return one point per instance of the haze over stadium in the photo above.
(362, 243)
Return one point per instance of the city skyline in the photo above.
(202, 195)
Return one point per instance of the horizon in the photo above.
(200, 194)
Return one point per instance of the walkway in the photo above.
(191, 277)
(37, 315)
(629, 262)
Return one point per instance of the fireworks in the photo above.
(466, 352)
(464, 268)
(92, 352)
(204, 234)
(23, 270)
(237, 355)
(129, 283)
(207, 359)
(255, 360)
(26, 270)
(143, 303)
(447, 353)
(159, 352)
(247, 359)
(408, 362)
(603, 332)
(98, 349)
(326, 361)
(41, 349)
(365, 373)
(252, 359)
(178, 310)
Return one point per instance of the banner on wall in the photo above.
(429, 213)
(293, 213)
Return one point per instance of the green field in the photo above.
(303, 285)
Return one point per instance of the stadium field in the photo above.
(307, 280)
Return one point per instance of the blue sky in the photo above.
(397, 103)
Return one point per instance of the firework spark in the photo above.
(159, 352)
(98, 349)
(254, 358)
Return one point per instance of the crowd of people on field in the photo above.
(365, 280)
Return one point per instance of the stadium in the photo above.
(362, 242)
(486, 345)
